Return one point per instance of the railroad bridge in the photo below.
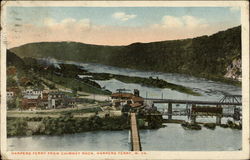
(227, 100)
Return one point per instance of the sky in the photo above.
(115, 25)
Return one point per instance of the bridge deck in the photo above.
(135, 139)
(155, 100)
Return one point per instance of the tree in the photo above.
(11, 104)
(74, 90)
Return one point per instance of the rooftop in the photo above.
(137, 99)
(56, 93)
(134, 105)
(122, 95)
(31, 96)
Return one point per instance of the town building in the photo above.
(120, 99)
(30, 101)
(55, 99)
(12, 92)
(10, 95)
(127, 101)
(33, 92)
(68, 102)
(44, 99)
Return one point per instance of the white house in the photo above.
(33, 92)
(10, 95)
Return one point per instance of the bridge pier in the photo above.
(193, 115)
(169, 111)
(218, 120)
(193, 119)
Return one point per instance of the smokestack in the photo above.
(137, 92)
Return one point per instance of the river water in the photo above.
(171, 138)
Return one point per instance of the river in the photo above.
(171, 138)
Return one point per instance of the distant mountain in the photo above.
(205, 56)
(67, 51)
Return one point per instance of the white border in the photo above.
(128, 3)
(3, 81)
(244, 154)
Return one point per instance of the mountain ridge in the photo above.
(204, 56)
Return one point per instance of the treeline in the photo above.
(68, 124)
(65, 124)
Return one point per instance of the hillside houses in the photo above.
(31, 99)
(56, 99)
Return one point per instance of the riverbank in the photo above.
(69, 124)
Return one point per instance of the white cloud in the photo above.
(234, 9)
(49, 22)
(171, 21)
(193, 22)
(67, 23)
(188, 22)
(123, 16)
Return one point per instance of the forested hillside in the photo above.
(14, 60)
(205, 56)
